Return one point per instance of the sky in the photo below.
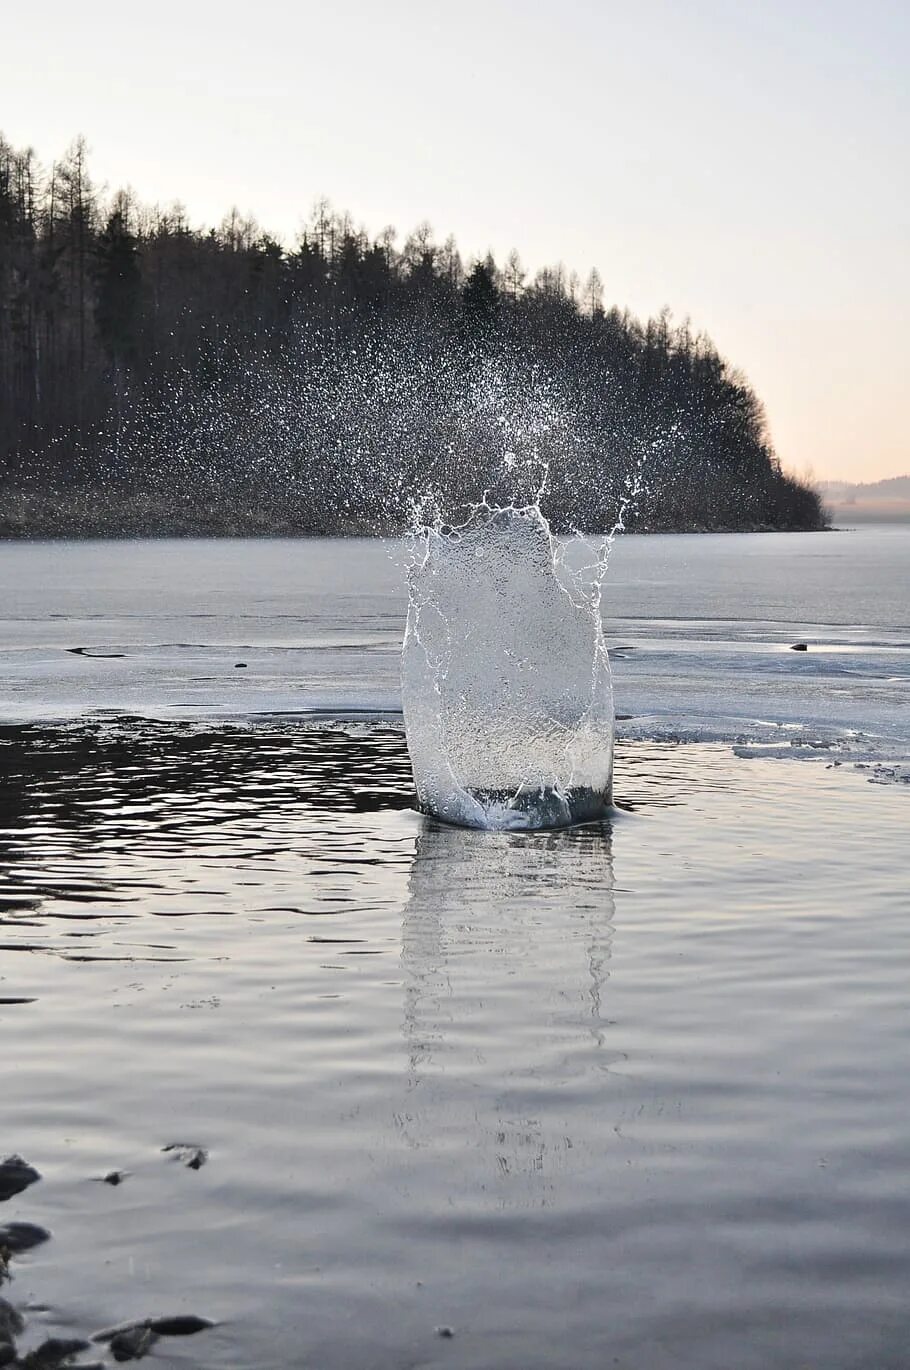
(744, 162)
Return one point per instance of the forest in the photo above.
(160, 378)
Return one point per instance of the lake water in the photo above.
(632, 1095)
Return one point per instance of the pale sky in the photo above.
(744, 163)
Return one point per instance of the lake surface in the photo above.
(631, 1095)
(700, 630)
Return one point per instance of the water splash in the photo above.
(506, 681)
(334, 435)
(506, 677)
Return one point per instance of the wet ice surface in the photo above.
(632, 1095)
(700, 630)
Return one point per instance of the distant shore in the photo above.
(102, 514)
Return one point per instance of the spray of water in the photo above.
(506, 682)
(491, 461)
(324, 435)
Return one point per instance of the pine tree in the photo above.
(480, 298)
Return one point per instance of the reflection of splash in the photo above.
(505, 946)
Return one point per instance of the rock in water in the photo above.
(193, 1157)
(54, 1353)
(182, 1325)
(18, 1237)
(508, 700)
(15, 1175)
(134, 1343)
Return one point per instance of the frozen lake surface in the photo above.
(632, 1095)
(700, 630)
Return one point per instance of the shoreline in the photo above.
(85, 515)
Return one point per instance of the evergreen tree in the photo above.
(480, 298)
(118, 287)
(132, 345)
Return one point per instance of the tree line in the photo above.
(319, 386)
